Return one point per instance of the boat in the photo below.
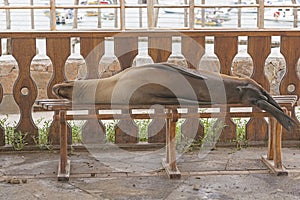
(245, 3)
(214, 18)
(209, 21)
(105, 16)
(249, 3)
(96, 2)
(217, 13)
(91, 13)
(65, 16)
(175, 10)
(283, 14)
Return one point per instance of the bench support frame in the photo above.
(273, 159)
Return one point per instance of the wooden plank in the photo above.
(226, 48)
(92, 49)
(259, 49)
(126, 49)
(93, 131)
(193, 48)
(1, 93)
(290, 49)
(126, 131)
(270, 164)
(172, 136)
(171, 173)
(192, 128)
(226, 58)
(25, 89)
(159, 48)
(64, 174)
(157, 128)
(277, 146)
(169, 163)
(290, 81)
(2, 131)
(257, 129)
(132, 33)
(228, 128)
(63, 170)
(58, 50)
(271, 134)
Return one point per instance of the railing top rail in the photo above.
(152, 33)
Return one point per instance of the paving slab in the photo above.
(225, 173)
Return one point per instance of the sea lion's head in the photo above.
(253, 94)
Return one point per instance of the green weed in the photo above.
(42, 140)
(110, 127)
(143, 129)
(76, 131)
(17, 139)
(241, 139)
(13, 137)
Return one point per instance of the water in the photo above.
(21, 19)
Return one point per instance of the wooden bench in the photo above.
(273, 159)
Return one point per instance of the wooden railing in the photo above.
(93, 47)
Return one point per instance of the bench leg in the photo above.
(274, 157)
(272, 132)
(64, 163)
(277, 147)
(169, 163)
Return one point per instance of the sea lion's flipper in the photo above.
(287, 122)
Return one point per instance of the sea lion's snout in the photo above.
(63, 90)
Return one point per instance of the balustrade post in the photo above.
(75, 15)
(231, 44)
(150, 14)
(58, 50)
(295, 13)
(290, 49)
(25, 89)
(203, 14)
(192, 14)
(92, 49)
(52, 15)
(122, 14)
(261, 15)
(259, 47)
(32, 15)
(2, 131)
(239, 14)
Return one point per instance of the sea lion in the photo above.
(166, 84)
